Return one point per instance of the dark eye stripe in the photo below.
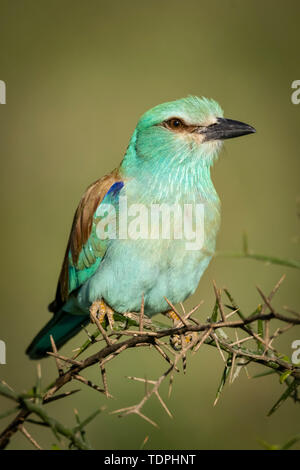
(178, 125)
(175, 124)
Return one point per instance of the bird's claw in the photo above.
(176, 341)
(101, 310)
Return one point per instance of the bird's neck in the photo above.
(168, 179)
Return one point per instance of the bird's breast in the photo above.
(161, 249)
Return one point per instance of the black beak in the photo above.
(226, 129)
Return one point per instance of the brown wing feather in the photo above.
(80, 231)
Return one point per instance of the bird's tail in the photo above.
(62, 327)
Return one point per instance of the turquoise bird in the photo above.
(108, 268)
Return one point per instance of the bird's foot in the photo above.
(101, 311)
(180, 342)
(136, 318)
(176, 340)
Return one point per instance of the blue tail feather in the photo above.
(62, 327)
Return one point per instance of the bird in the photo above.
(167, 164)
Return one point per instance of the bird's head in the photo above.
(187, 129)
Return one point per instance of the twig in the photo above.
(141, 325)
(176, 311)
(147, 336)
(29, 437)
(218, 296)
(58, 363)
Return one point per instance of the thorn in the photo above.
(141, 323)
(58, 363)
(218, 296)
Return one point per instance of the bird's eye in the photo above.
(175, 124)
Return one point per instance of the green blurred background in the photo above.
(78, 76)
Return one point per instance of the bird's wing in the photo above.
(85, 249)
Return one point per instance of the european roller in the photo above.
(106, 269)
